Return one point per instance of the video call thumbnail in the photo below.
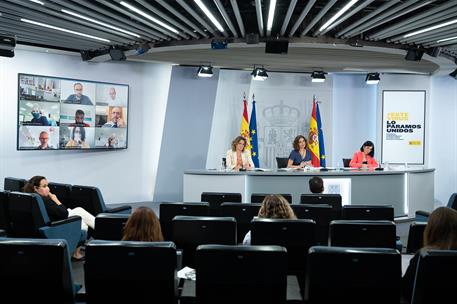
(72, 112)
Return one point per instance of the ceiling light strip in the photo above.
(319, 16)
(302, 17)
(337, 15)
(63, 30)
(147, 16)
(258, 11)
(290, 10)
(100, 23)
(197, 17)
(271, 16)
(208, 14)
(37, 1)
(227, 20)
(431, 28)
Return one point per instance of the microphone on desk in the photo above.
(379, 168)
(324, 169)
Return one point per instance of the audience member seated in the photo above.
(440, 234)
(274, 206)
(364, 158)
(238, 157)
(316, 185)
(300, 157)
(143, 225)
(55, 209)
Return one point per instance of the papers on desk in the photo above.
(262, 169)
(187, 273)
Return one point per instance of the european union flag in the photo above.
(321, 137)
(253, 131)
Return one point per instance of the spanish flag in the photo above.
(313, 139)
(245, 124)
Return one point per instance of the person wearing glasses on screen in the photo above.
(78, 97)
(78, 137)
(44, 138)
(116, 120)
(79, 119)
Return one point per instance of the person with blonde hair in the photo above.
(238, 158)
(143, 225)
(439, 234)
(274, 206)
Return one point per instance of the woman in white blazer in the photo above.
(238, 158)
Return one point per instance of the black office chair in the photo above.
(321, 214)
(110, 226)
(435, 277)
(333, 200)
(243, 214)
(188, 232)
(215, 199)
(378, 234)
(297, 236)
(257, 198)
(168, 211)
(415, 237)
(36, 270)
(29, 219)
(63, 192)
(281, 162)
(346, 162)
(91, 199)
(130, 272)
(353, 275)
(14, 184)
(248, 274)
(422, 216)
(368, 212)
(5, 222)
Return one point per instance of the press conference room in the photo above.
(215, 151)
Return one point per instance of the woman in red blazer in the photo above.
(365, 157)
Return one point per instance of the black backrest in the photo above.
(190, 231)
(88, 198)
(452, 203)
(346, 162)
(257, 198)
(368, 212)
(110, 226)
(297, 236)
(215, 199)
(321, 214)
(34, 270)
(63, 192)
(353, 275)
(281, 162)
(248, 274)
(130, 272)
(168, 211)
(14, 184)
(27, 214)
(415, 237)
(379, 234)
(243, 214)
(333, 200)
(5, 222)
(435, 277)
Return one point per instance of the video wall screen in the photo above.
(68, 114)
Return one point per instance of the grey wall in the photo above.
(186, 131)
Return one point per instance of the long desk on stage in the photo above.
(406, 190)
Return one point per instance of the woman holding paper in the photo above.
(238, 158)
(364, 158)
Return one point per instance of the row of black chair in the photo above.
(140, 272)
(88, 197)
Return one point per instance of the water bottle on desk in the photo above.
(224, 164)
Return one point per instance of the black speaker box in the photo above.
(277, 47)
(117, 55)
(414, 55)
(6, 53)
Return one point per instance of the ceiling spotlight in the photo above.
(259, 74)
(205, 71)
(454, 74)
(318, 76)
(372, 78)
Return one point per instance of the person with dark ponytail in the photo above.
(55, 209)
